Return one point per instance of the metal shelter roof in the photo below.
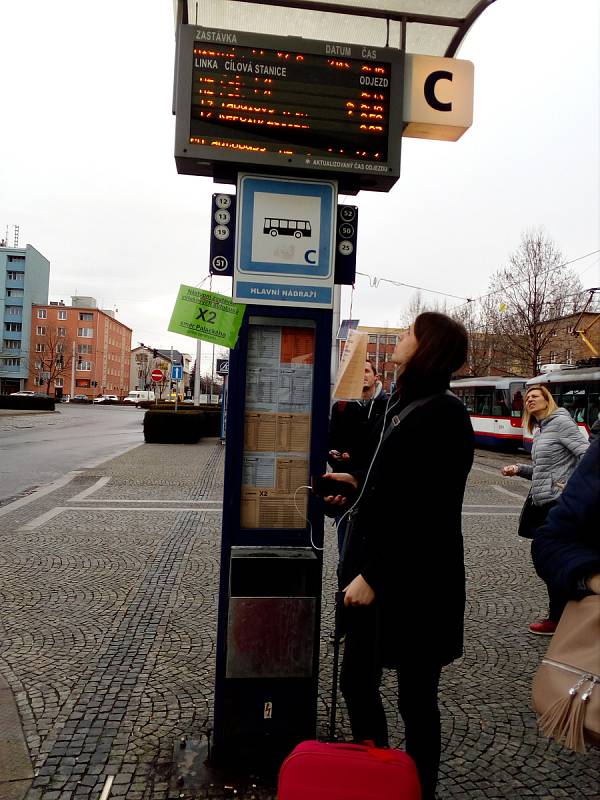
(431, 27)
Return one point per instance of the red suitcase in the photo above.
(329, 770)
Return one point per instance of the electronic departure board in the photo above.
(287, 105)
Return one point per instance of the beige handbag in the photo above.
(566, 686)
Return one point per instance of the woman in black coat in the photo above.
(566, 551)
(403, 569)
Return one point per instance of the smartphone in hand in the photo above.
(324, 486)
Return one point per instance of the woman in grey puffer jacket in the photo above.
(558, 444)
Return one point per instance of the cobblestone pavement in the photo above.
(108, 592)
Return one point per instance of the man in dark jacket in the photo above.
(352, 422)
(566, 550)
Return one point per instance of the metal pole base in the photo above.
(196, 775)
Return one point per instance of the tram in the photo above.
(575, 388)
(495, 406)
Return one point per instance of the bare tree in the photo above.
(534, 289)
(52, 357)
(417, 305)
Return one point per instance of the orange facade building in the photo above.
(79, 349)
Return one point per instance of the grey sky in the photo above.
(87, 170)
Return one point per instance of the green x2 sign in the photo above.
(206, 315)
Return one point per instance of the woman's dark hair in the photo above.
(441, 350)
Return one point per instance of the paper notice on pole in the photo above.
(351, 373)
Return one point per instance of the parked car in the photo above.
(65, 398)
(106, 398)
(80, 398)
(23, 393)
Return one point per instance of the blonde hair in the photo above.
(528, 419)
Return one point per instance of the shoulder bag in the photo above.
(526, 527)
(566, 686)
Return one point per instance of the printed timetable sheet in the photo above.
(279, 385)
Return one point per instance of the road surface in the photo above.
(38, 448)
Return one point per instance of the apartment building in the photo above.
(24, 279)
(380, 346)
(144, 359)
(79, 349)
(565, 346)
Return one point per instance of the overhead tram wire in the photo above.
(524, 280)
(374, 282)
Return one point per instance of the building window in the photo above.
(13, 326)
(12, 311)
(12, 344)
(40, 330)
(11, 275)
(38, 381)
(84, 348)
(61, 331)
(569, 356)
(10, 362)
(14, 292)
(84, 366)
(82, 383)
(84, 316)
(553, 355)
(60, 348)
(59, 382)
(40, 347)
(372, 338)
(42, 313)
(62, 315)
(12, 259)
(86, 332)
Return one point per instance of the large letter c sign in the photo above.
(430, 84)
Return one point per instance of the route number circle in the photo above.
(220, 263)
(222, 201)
(221, 232)
(346, 230)
(347, 213)
(222, 216)
(345, 247)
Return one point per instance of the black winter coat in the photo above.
(350, 430)
(567, 548)
(407, 539)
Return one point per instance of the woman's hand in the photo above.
(344, 477)
(358, 593)
(510, 471)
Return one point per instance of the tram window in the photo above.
(483, 400)
(500, 408)
(574, 400)
(593, 407)
(517, 391)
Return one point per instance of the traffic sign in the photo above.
(157, 375)
(345, 244)
(176, 372)
(285, 236)
(222, 239)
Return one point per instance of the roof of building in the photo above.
(432, 27)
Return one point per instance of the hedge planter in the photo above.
(27, 402)
(174, 427)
